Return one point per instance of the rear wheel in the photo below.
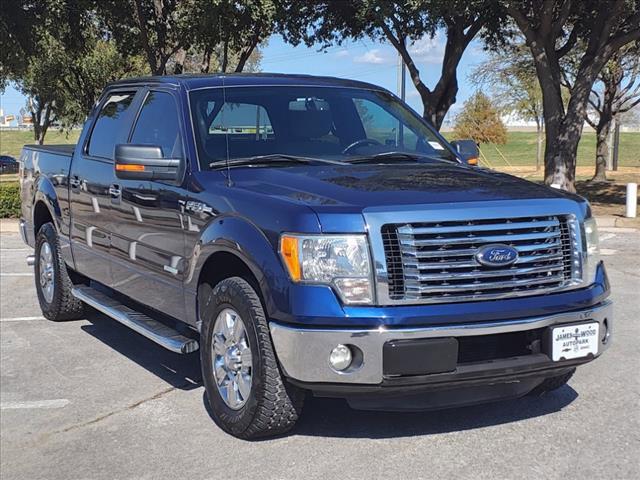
(248, 396)
(53, 284)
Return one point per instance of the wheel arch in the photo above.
(45, 205)
(235, 247)
(41, 215)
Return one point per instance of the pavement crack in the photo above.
(115, 412)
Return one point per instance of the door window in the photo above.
(109, 126)
(158, 125)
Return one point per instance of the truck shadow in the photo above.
(334, 418)
(327, 417)
(180, 371)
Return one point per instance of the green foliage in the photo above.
(9, 199)
(480, 121)
(65, 60)
(194, 36)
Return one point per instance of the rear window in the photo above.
(109, 127)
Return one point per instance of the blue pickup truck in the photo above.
(312, 235)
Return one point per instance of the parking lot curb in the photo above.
(613, 221)
(9, 225)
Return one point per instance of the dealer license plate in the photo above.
(574, 341)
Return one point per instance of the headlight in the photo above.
(592, 250)
(341, 261)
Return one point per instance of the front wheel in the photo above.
(53, 284)
(245, 390)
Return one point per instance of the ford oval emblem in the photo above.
(496, 255)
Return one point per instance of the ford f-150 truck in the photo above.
(312, 235)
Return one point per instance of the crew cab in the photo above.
(312, 235)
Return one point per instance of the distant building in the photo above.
(6, 120)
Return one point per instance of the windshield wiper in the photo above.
(384, 156)
(272, 159)
(395, 156)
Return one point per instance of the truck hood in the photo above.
(327, 188)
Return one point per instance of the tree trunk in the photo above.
(602, 149)
(206, 60)
(181, 56)
(437, 102)
(225, 57)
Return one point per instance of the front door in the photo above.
(148, 245)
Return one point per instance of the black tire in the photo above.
(273, 406)
(552, 383)
(63, 305)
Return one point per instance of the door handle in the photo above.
(115, 191)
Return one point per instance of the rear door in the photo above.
(148, 245)
(91, 184)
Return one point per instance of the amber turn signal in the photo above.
(125, 167)
(472, 161)
(289, 250)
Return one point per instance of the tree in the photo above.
(40, 39)
(552, 29)
(402, 23)
(480, 121)
(619, 93)
(63, 62)
(156, 29)
(170, 33)
(511, 76)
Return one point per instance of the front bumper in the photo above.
(304, 352)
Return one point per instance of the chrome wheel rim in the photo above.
(47, 277)
(232, 366)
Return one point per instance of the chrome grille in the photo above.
(435, 262)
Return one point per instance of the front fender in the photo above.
(238, 236)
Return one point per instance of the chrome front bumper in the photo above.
(304, 352)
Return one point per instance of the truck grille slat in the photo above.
(436, 262)
(411, 240)
(507, 273)
(479, 228)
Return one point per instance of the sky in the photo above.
(363, 60)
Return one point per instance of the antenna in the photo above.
(226, 130)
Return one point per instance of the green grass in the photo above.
(520, 149)
(12, 141)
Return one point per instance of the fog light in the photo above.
(340, 357)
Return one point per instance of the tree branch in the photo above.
(569, 44)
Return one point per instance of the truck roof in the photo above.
(194, 81)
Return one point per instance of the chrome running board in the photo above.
(154, 330)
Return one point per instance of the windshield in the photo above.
(340, 124)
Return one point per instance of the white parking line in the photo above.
(57, 403)
(608, 251)
(26, 274)
(21, 319)
(16, 249)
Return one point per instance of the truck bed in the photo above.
(45, 169)
(66, 149)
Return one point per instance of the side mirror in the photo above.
(467, 150)
(144, 162)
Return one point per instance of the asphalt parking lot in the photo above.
(91, 399)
